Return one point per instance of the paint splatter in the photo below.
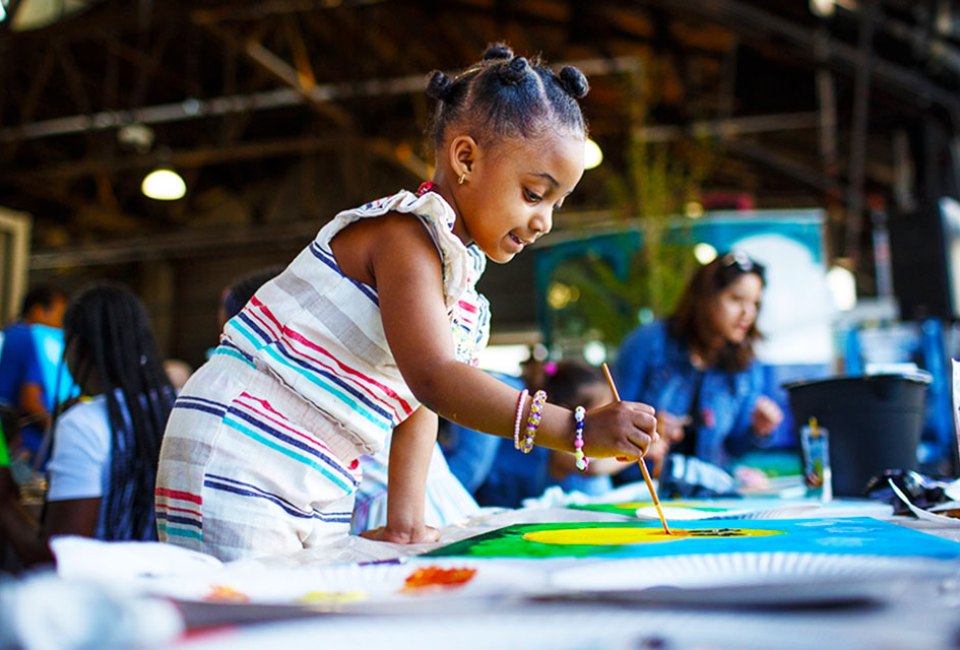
(328, 597)
(431, 577)
(225, 594)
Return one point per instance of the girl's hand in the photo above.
(621, 429)
(407, 535)
(766, 416)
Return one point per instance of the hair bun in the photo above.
(515, 71)
(574, 82)
(439, 86)
(497, 52)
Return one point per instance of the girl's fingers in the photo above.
(642, 408)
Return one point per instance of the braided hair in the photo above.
(107, 330)
(507, 96)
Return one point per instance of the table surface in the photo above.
(912, 610)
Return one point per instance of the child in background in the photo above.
(372, 328)
(102, 470)
(572, 383)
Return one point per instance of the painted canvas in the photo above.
(642, 539)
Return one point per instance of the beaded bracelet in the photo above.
(533, 420)
(580, 415)
(518, 417)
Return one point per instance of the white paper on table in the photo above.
(91, 559)
(946, 522)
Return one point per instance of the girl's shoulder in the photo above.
(430, 207)
(462, 265)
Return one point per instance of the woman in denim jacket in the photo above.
(698, 369)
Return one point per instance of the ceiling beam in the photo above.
(196, 158)
(731, 127)
(284, 72)
(191, 109)
(792, 168)
(254, 11)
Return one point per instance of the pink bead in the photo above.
(578, 444)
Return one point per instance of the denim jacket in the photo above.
(654, 368)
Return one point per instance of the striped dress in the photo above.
(260, 455)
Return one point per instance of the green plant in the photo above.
(593, 297)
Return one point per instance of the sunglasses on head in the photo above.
(742, 262)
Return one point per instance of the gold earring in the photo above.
(463, 177)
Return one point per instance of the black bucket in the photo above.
(874, 423)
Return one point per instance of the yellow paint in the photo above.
(626, 535)
(314, 597)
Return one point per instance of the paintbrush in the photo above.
(643, 465)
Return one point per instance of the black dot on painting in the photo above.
(717, 532)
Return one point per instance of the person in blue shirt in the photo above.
(29, 367)
(698, 368)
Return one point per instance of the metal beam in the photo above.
(192, 109)
(281, 70)
(787, 166)
(731, 127)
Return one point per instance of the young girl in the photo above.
(369, 328)
(102, 471)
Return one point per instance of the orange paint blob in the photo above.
(434, 576)
(224, 594)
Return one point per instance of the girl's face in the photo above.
(735, 308)
(512, 190)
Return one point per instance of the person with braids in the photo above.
(372, 330)
(698, 368)
(106, 446)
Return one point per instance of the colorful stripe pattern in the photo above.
(320, 332)
(240, 476)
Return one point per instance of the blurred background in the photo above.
(819, 136)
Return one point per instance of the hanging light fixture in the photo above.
(592, 154)
(163, 184)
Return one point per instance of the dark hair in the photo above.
(111, 334)
(238, 294)
(692, 322)
(566, 380)
(41, 296)
(507, 96)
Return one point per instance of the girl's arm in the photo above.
(411, 447)
(406, 269)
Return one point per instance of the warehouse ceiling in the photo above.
(279, 112)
